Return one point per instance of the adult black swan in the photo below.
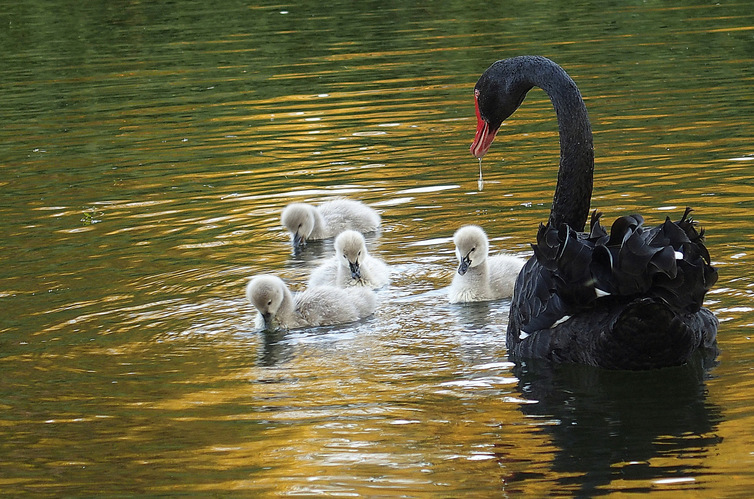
(630, 299)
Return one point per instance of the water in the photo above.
(148, 149)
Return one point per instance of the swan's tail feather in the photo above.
(547, 248)
(623, 227)
(689, 227)
(597, 232)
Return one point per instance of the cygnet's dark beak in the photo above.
(298, 240)
(355, 272)
(268, 325)
(465, 264)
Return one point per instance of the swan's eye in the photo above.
(269, 303)
(472, 250)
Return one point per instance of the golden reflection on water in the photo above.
(128, 348)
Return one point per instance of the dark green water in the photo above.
(148, 148)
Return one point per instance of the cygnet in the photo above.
(352, 265)
(318, 306)
(479, 277)
(306, 222)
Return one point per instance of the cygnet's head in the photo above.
(350, 250)
(471, 247)
(298, 218)
(266, 293)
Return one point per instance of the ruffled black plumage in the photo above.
(629, 300)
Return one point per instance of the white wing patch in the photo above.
(560, 321)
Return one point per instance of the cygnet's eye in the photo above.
(269, 303)
(472, 250)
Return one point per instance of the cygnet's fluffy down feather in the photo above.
(306, 222)
(318, 306)
(352, 265)
(481, 277)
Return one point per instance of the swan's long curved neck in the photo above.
(575, 177)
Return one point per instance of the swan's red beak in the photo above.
(485, 134)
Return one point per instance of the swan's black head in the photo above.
(497, 95)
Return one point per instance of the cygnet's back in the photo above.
(329, 305)
(321, 306)
(479, 277)
(347, 214)
(305, 222)
(352, 265)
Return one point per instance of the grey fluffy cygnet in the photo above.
(306, 222)
(352, 265)
(481, 277)
(318, 306)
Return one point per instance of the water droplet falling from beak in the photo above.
(481, 182)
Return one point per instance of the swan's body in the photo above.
(481, 277)
(628, 300)
(319, 306)
(352, 265)
(306, 222)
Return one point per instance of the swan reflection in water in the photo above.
(609, 426)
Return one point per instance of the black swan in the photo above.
(627, 299)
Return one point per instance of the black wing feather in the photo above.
(571, 272)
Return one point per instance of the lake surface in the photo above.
(148, 148)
